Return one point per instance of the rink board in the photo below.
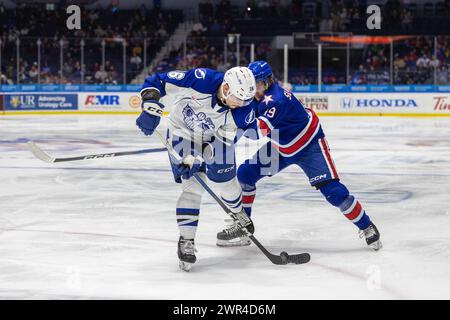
(331, 103)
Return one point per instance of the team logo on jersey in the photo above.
(200, 74)
(177, 75)
(288, 94)
(250, 117)
(197, 122)
(267, 99)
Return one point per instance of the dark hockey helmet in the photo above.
(261, 70)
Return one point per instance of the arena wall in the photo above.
(109, 101)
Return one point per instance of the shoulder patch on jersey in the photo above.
(267, 99)
(288, 94)
(178, 75)
(251, 116)
(200, 73)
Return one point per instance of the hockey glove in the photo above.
(189, 166)
(150, 116)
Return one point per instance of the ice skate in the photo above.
(233, 236)
(186, 253)
(372, 237)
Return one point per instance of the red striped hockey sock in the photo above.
(353, 211)
(248, 197)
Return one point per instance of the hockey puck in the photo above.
(284, 257)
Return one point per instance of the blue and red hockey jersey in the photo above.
(283, 119)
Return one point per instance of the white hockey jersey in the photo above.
(194, 110)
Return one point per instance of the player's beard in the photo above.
(259, 96)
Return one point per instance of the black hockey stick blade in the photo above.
(284, 257)
(295, 258)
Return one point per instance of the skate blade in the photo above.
(377, 245)
(240, 243)
(185, 266)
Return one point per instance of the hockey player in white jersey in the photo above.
(207, 108)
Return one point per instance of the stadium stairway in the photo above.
(175, 41)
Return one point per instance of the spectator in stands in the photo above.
(359, 77)
(198, 28)
(423, 62)
(100, 75)
(33, 73)
(434, 62)
(5, 80)
(326, 25)
(136, 62)
(399, 62)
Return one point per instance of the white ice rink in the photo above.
(107, 229)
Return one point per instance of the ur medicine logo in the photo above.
(22, 101)
(102, 100)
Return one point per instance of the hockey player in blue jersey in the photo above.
(296, 138)
(206, 110)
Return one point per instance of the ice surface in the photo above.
(106, 228)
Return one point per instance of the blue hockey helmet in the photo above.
(261, 70)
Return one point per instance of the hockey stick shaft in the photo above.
(40, 154)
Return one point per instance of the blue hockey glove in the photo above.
(150, 116)
(188, 167)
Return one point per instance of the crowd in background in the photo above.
(321, 15)
(416, 60)
(111, 28)
(209, 52)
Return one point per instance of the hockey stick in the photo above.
(282, 258)
(42, 155)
